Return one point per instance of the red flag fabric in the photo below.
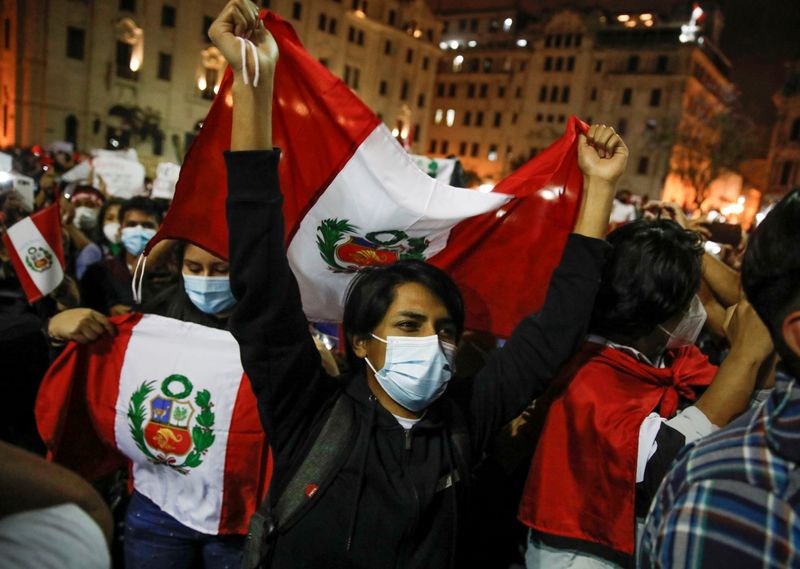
(35, 248)
(582, 479)
(353, 198)
(170, 399)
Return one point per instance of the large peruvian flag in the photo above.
(353, 198)
(169, 397)
(37, 253)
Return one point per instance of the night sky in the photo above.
(759, 38)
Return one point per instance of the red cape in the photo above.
(582, 480)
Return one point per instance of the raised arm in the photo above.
(277, 351)
(543, 341)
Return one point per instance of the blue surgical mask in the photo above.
(416, 370)
(211, 295)
(135, 239)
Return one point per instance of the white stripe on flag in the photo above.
(209, 359)
(40, 261)
(380, 189)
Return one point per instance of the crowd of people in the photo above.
(646, 415)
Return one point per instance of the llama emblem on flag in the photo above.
(38, 259)
(175, 429)
(345, 251)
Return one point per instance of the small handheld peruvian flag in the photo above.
(35, 248)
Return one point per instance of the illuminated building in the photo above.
(784, 154)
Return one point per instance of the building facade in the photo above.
(784, 155)
(633, 71)
(84, 71)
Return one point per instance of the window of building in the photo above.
(501, 91)
(484, 90)
(523, 65)
(627, 95)
(553, 94)
(440, 89)
(164, 66)
(561, 118)
(451, 91)
(421, 100)
(548, 63)
(383, 88)
(332, 26)
(475, 149)
(71, 129)
(7, 33)
(633, 63)
(123, 61)
(568, 40)
(644, 163)
(425, 63)
(543, 94)
(451, 118)
(437, 116)
(76, 40)
(467, 118)
(479, 118)
(662, 63)
(392, 18)
(404, 90)
(297, 10)
(551, 118)
(432, 147)
(471, 91)
(570, 63)
(565, 94)
(557, 42)
(622, 126)
(498, 120)
(445, 146)
(207, 21)
(539, 117)
(518, 93)
(593, 94)
(559, 63)
(387, 47)
(352, 76)
(487, 65)
(462, 149)
(786, 174)
(127, 5)
(578, 40)
(514, 118)
(322, 24)
(598, 66)
(548, 41)
(794, 133)
(168, 16)
(409, 56)
(462, 25)
(473, 25)
(492, 154)
(655, 97)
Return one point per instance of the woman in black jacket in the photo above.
(397, 493)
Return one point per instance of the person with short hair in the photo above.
(611, 421)
(731, 500)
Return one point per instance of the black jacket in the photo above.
(387, 497)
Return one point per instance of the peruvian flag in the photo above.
(170, 398)
(354, 198)
(36, 251)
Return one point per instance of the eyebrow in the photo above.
(421, 317)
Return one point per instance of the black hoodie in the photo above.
(389, 506)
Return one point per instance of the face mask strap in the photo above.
(137, 290)
(380, 340)
(244, 43)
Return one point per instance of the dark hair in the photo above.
(771, 267)
(372, 291)
(173, 302)
(652, 273)
(140, 203)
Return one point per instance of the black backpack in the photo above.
(322, 463)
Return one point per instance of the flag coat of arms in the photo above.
(35, 248)
(353, 199)
(169, 397)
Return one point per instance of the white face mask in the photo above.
(416, 370)
(85, 218)
(111, 231)
(688, 329)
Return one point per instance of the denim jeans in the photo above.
(156, 540)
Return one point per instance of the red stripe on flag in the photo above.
(75, 416)
(502, 261)
(318, 123)
(246, 450)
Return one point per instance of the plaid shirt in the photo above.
(732, 500)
